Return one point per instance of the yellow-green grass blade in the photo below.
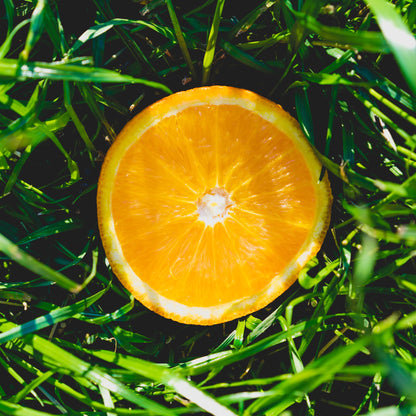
(68, 224)
(26, 260)
(399, 37)
(106, 13)
(211, 42)
(318, 372)
(52, 318)
(5, 47)
(247, 21)
(77, 122)
(245, 58)
(361, 40)
(180, 38)
(100, 29)
(36, 28)
(13, 409)
(12, 69)
(28, 388)
(82, 397)
(169, 377)
(310, 9)
(60, 360)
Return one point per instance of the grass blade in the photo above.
(12, 69)
(12, 409)
(397, 34)
(246, 22)
(170, 377)
(52, 318)
(96, 31)
(36, 28)
(310, 8)
(361, 40)
(58, 359)
(58, 227)
(180, 38)
(303, 110)
(9, 6)
(212, 40)
(26, 260)
(107, 14)
(77, 122)
(5, 47)
(314, 374)
(245, 58)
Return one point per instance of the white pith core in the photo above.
(214, 206)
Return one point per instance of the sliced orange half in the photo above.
(210, 203)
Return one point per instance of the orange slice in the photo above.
(210, 203)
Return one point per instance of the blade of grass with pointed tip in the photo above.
(225, 358)
(266, 43)
(212, 40)
(247, 21)
(26, 260)
(36, 28)
(361, 40)
(307, 281)
(107, 14)
(328, 298)
(11, 69)
(18, 167)
(58, 359)
(52, 318)
(310, 8)
(31, 386)
(199, 8)
(81, 397)
(10, 8)
(100, 29)
(90, 98)
(12, 409)
(397, 34)
(72, 165)
(77, 122)
(411, 14)
(245, 58)
(323, 78)
(304, 115)
(180, 38)
(170, 377)
(54, 29)
(314, 374)
(5, 47)
(366, 100)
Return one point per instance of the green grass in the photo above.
(73, 341)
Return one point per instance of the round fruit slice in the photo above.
(209, 204)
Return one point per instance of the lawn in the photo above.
(73, 341)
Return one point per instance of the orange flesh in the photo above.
(177, 161)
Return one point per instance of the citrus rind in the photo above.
(132, 132)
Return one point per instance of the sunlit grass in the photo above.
(73, 341)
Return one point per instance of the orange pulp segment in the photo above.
(210, 203)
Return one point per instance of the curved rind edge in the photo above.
(232, 310)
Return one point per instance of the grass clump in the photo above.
(73, 341)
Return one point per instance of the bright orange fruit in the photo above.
(210, 203)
